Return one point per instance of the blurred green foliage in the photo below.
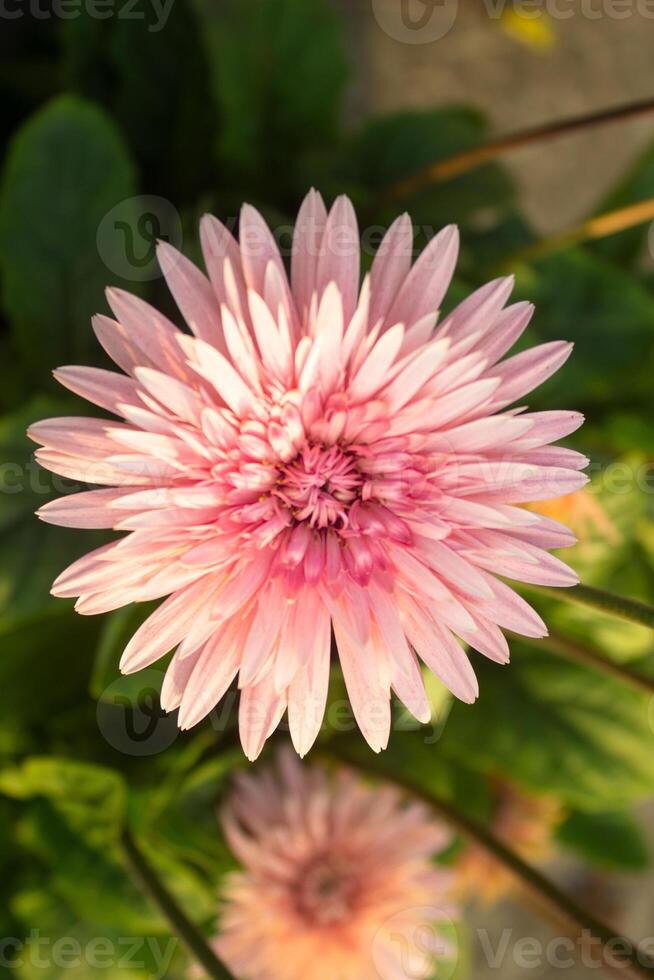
(213, 107)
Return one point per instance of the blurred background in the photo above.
(123, 121)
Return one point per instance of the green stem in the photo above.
(621, 957)
(579, 652)
(633, 610)
(182, 927)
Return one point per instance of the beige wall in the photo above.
(595, 61)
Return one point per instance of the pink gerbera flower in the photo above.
(314, 457)
(337, 882)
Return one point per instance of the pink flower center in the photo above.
(326, 892)
(320, 485)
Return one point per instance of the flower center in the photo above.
(320, 485)
(326, 892)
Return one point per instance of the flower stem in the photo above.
(632, 610)
(609, 223)
(580, 653)
(186, 930)
(461, 163)
(619, 955)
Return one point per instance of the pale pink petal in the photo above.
(193, 294)
(338, 260)
(212, 673)
(307, 694)
(391, 266)
(165, 627)
(89, 509)
(312, 458)
(106, 389)
(307, 241)
(218, 245)
(427, 282)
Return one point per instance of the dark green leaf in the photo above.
(614, 840)
(44, 668)
(637, 185)
(421, 756)
(556, 727)
(277, 77)
(66, 169)
(608, 315)
(392, 148)
(32, 553)
(147, 70)
(117, 630)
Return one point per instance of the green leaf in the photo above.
(179, 817)
(556, 727)
(430, 765)
(391, 148)
(610, 318)
(83, 950)
(32, 553)
(615, 552)
(90, 798)
(145, 70)
(46, 648)
(44, 668)
(613, 840)
(117, 630)
(88, 880)
(66, 168)
(277, 79)
(630, 432)
(637, 185)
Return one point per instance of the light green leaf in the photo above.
(91, 799)
(89, 881)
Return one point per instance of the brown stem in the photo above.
(620, 956)
(609, 223)
(461, 163)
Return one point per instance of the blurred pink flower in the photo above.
(337, 880)
(314, 456)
